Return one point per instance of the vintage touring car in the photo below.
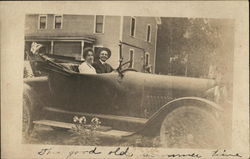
(127, 102)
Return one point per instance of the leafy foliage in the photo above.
(193, 45)
(83, 134)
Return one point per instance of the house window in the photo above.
(42, 22)
(131, 58)
(148, 33)
(99, 24)
(67, 48)
(58, 22)
(147, 59)
(132, 28)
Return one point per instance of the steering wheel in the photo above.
(128, 69)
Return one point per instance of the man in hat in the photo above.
(100, 65)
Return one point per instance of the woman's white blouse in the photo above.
(86, 68)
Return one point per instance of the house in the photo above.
(65, 36)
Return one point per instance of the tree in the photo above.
(197, 47)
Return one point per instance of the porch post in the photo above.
(52, 47)
(82, 46)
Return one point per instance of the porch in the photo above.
(70, 48)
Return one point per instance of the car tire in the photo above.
(28, 125)
(191, 127)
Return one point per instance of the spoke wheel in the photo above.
(191, 127)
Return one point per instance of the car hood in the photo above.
(161, 82)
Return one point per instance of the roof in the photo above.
(50, 38)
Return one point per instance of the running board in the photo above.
(54, 124)
(101, 131)
(103, 116)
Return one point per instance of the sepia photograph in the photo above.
(128, 80)
(124, 80)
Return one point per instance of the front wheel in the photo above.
(191, 127)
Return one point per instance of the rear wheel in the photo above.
(191, 127)
(27, 126)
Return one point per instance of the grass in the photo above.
(84, 133)
(48, 136)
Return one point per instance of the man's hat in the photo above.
(104, 49)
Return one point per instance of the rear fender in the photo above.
(152, 126)
(34, 98)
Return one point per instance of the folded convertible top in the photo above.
(48, 64)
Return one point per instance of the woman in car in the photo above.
(86, 66)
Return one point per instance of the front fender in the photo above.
(152, 126)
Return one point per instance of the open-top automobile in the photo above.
(177, 109)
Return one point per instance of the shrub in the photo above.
(83, 133)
